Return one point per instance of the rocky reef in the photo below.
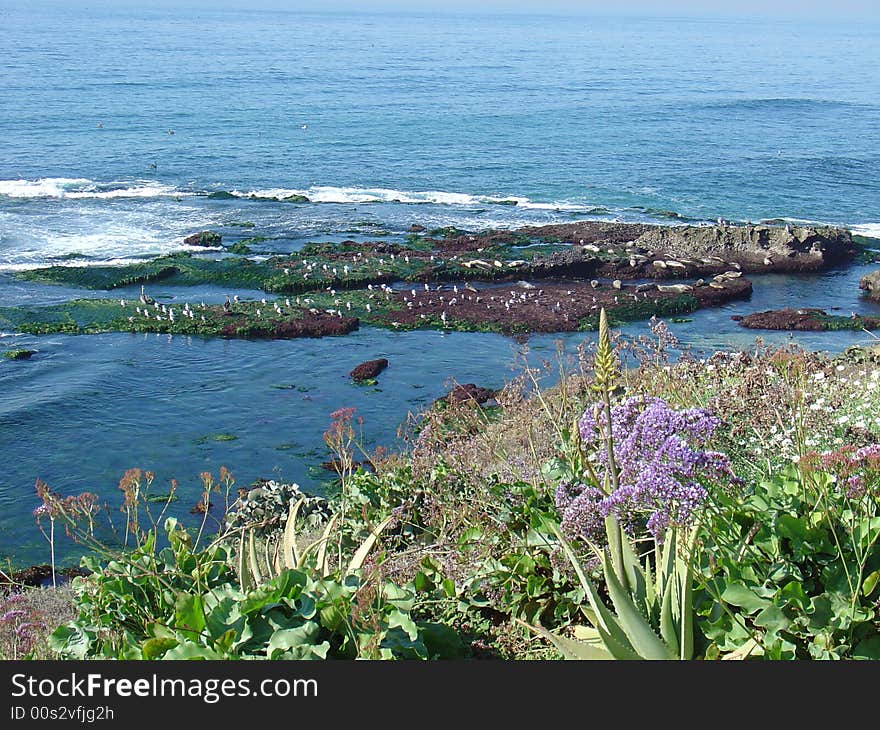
(258, 320)
(556, 307)
(806, 320)
(536, 279)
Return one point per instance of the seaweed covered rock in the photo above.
(805, 320)
(469, 392)
(368, 370)
(35, 576)
(18, 354)
(203, 238)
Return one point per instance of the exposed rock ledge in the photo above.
(871, 284)
(631, 249)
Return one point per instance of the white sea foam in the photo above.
(101, 233)
(867, 229)
(80, 188)
(50, 187)
(351, 195)
(29, 265)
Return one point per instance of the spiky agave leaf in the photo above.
(288, 541)
(586, 647)
(245, 577)
(361, 554)
(253, 562)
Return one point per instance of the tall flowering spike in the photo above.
(605, 366)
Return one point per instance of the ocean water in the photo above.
(118, 120)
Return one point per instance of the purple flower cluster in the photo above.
(15, 628)
(661, 462)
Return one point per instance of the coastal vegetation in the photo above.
(649, 504)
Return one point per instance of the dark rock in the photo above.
(416, 228)
(369, 369)
(203, 238)
(296, 199)
(35, 576)
(806, 320)
(337, 466)
(221, 195)
(469, 392)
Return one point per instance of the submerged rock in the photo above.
(368, 370)
(36, 576)
(203, 238)
(18, 354)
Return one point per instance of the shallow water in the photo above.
(383, 121)
(86, 408)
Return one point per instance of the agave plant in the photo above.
(254, 566)
(652, 617)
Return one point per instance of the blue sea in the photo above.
(118, 120)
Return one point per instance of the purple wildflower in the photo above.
(11, 616)
(661, 463)
(582, 510)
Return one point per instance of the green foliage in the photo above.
(177, 603)
(513, 568)
(794, 567)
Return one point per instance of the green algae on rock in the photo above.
(203, 238)
(806, 320)
(20, 354)
(239, 320)
(515, 309)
